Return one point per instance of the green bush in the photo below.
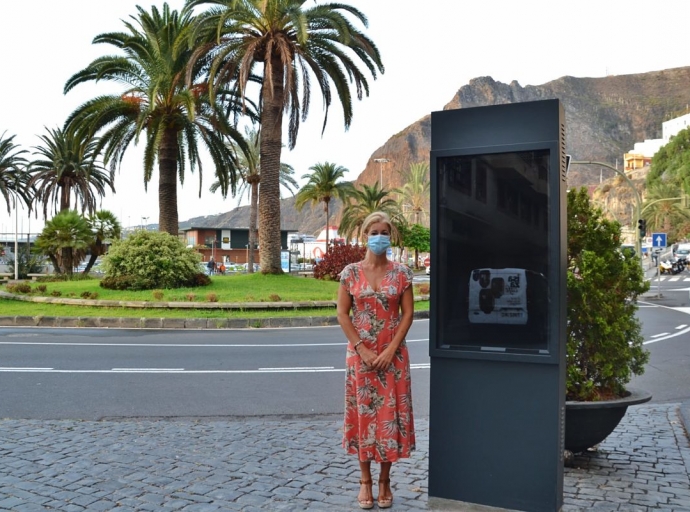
(604, 345)
(19, 288)
(147, 260)
(336, 259)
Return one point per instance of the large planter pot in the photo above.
(589, 423)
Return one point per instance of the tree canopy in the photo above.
(284, 44)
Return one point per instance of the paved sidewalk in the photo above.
(294, 465)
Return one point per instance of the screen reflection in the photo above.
(493, 244)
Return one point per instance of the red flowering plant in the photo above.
(336, 259)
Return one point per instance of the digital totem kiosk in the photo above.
(498, 317)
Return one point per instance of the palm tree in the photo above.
(322, 186)
(13, 177)
(249, 167)
(64, 240)
(67, 165)
(104, 226)
(664, 209)
(367, 200)
(415, 193)
(173, 114)
(289, 43)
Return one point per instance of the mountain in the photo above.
(604, 118)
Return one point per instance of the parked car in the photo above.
(256, 267)
(683, 254)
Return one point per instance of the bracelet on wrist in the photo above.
(358, 344)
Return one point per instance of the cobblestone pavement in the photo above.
(294, 465)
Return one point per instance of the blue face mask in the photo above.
(379, 244)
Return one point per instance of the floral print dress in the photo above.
(379, 425)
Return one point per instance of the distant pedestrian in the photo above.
(211, 266)
(379, 424)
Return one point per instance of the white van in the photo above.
(505, 295)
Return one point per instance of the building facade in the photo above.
(229, 245)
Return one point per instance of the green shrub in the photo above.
(197, 280)
(19, 288)
(158, 294)
(336, 259)
(56, 293)
(148, 260)
(127, 283)
(274, 297)
(41, 288)
(604, 344)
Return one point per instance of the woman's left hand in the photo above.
(384, 359)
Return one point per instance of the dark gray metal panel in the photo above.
(494, 434)
(496, 426)
(495, 125)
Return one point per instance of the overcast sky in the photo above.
(430, 49)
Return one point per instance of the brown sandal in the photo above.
(385, 502)
(366, 504)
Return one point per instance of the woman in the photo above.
(379, 425)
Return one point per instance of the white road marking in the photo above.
(119, 371)
(673, 279)
(147, 369)
(300, 368)
(661, 334)
(686, 330)
(10, 368)
(185, 345)
(681, 326)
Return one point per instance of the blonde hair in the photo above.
(375, 217)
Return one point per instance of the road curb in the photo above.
(175, 323)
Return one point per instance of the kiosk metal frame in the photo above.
(498, 292)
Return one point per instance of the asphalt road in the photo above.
(97, 374)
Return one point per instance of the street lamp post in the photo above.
(638, 200)
(16, 238)
(381, 161)
(143, 221)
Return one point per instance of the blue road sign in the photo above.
(658, 239)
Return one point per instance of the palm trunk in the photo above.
(67, 262)
(96, 251)
(64, 196)
(325, 207)
(64, 205)
(167, 186)
(269, 155)
(254, 183)
(56, 264)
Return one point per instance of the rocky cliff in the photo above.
(604, 116)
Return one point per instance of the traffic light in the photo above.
(642, 226)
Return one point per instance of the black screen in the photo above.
(494, 251)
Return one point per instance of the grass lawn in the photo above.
(232, 288)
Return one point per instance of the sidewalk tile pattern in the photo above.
(204, 465)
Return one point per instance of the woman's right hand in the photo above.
(367, 355)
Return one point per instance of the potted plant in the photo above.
(604, 340)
